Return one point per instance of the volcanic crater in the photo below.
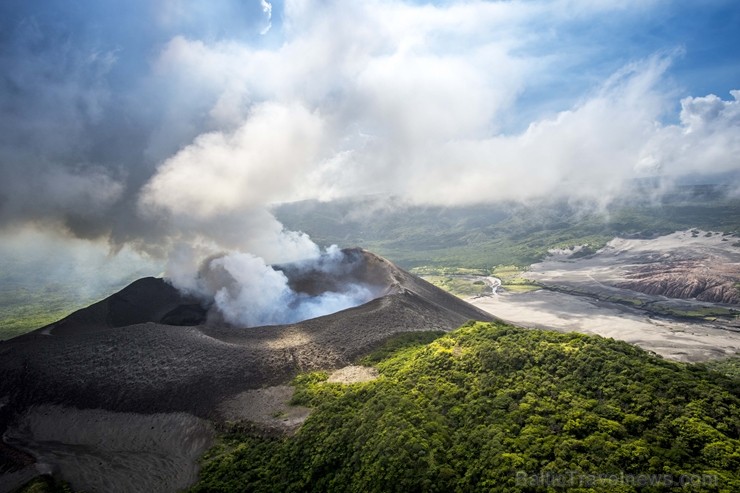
(149, 351)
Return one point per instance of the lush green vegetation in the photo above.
(491, 407)
(726, 366)
(485, 236)
(39, 289)
(467, 282)
(512, 279)
(23, 309)
(399, 342)
(460, 281)
(464, 287)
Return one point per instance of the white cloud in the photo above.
(267, 9)
(347, 98)
(408, 99)
(706, 141)
(710, 112)
(263, 160)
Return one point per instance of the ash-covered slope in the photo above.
(148, 299)
(121, 354)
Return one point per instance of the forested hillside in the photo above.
(491, 407)
(506, 233)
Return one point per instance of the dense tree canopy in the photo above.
(491, 407)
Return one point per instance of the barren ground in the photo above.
(269, 407)
(353, 374)
(600, 294)
(105, 372)
(679, 340)
(99, 450)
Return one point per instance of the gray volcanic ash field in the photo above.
(676, 295)
(149, 355)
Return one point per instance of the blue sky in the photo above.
(144, 123)
(703, 36)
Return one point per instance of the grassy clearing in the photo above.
(513, 279)
(23, 309)
(26, 319)
(459, 286)
(520, 288)
(465, 282)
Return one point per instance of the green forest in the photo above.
(492, 407)
(506, 233)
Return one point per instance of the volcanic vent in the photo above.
(241, 290)
(151, 348)
(152, 359)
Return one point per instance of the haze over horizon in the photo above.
(149, 125)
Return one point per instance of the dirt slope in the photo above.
(121, 355)
(148, 349)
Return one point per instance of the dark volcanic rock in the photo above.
(122, 355)
(146, 300)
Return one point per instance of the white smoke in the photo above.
(243, 290)
(187, 132)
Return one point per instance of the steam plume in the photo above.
(243, 290)
(153, 124)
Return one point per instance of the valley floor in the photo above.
(678, 340)
(626, 291)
